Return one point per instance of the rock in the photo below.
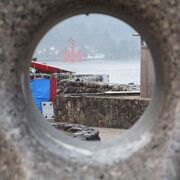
(92, 135)
(74, 129)
(67, 126)
(78, 131)
(67, 86)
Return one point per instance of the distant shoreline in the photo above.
(119, 71)
(59, 60)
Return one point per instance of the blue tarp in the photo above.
(40, 89)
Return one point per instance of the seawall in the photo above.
(100, 111)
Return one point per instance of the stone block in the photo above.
(31, 149)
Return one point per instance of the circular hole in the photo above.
(132, 103)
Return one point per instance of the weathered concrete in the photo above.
(149, 150)
(147, 72)
(100, 111)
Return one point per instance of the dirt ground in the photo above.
(107, 134)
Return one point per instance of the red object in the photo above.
(47, 69)
(72, 55)
(53, 89)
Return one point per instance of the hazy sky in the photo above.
(95, 33)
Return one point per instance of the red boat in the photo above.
(47, 69)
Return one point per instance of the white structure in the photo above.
(48, 110)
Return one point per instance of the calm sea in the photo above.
(119, 71)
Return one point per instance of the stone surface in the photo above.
(100, 111)
(31, 149)
(78, 131)
(109, 134)
(69, 87)
(147, 73)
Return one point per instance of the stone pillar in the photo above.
(147, 72)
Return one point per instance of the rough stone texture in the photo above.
(100, 111)
(78, 131)
(65, 87)
(83, 77)
(147, 73)
(149, 150)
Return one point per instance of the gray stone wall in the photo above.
(65, 86)
(101, 111)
